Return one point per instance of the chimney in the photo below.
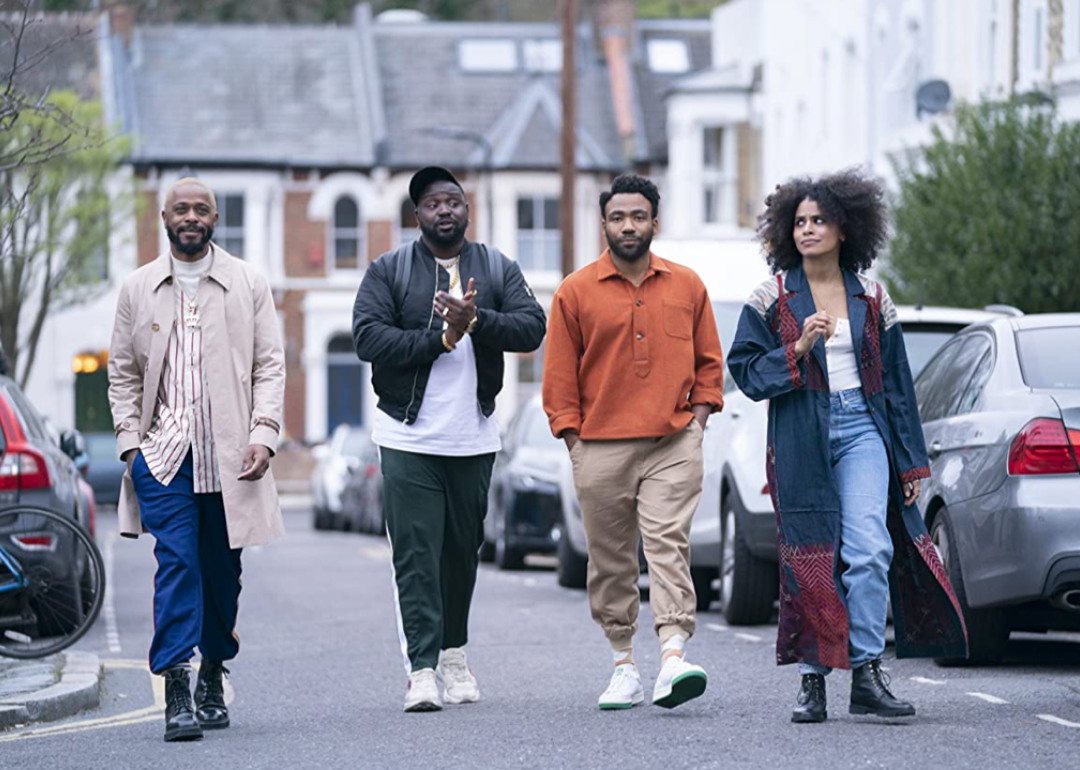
(613, 27)
(121, 18)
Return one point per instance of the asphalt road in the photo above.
(319, 684)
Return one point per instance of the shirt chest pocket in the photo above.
(678, 319)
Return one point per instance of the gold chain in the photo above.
(455, 275)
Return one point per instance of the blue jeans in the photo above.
(861, 469)
(197, 585)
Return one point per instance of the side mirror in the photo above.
(73, 444)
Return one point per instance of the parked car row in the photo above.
(346, 484)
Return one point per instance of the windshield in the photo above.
(355, 442)
(1045, 360)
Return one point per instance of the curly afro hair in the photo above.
(855, 202)
(631, 183)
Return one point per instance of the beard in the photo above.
(432, 234)
(190, 249)
(632, 254)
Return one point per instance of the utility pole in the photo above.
(568, 14)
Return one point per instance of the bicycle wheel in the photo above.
(52, 582)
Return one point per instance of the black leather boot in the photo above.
(210, 706)
(180, 722)
(870, 693)
(810, 704)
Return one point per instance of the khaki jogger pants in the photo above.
(651, 485)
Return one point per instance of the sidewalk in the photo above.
(48, 689)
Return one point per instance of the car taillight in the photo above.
(21, 470)
(1044, 446)
(34, 541)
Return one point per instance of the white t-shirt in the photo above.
(840, 355)
(449, 421)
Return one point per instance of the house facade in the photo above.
(309, 134)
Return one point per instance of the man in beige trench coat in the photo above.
(196, 385)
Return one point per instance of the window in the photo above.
(668, 57)
(716, 175)
(538, 237)
(974, 354)
(941, 386)
(345, 234)
(409, 230)
(929, 392)
(487, 55)
(1044, 358)
(229, 233)
(542, 55)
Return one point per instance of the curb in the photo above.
(78, 688)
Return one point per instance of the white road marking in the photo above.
(748, 637)
(1058, 720)
(715, 627)
(924, 680)
(108, 606)
(988, 698)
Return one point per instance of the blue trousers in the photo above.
(197, 584)
(861, 468)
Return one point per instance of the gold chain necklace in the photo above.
(455, 275)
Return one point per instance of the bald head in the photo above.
(188, 186)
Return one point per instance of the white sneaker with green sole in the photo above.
(678, 682)
(624, 691)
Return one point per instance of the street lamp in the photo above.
(468, 135)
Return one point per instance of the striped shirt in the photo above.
(182, 418)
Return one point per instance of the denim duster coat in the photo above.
(813, 614)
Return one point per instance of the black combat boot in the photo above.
(180, 722)
(870, 693)
(810, 704)
(210, 696)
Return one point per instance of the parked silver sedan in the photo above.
(1000, 407)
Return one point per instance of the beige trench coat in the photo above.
(245, 377)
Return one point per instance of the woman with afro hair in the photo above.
(845, 452)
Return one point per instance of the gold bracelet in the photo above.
(446, 343)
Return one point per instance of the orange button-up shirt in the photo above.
(624, 361)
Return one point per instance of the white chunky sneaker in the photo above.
(423, 692)
(457, 678)
(678, 682)
(624, 691)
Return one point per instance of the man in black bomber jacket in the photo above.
(434, 318)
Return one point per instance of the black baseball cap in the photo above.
(425, 176)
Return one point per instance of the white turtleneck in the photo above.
(188, 274)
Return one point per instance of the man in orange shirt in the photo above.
(632, 371)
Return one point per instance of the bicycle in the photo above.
(52, 582)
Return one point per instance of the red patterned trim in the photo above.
(929, 554)
(793, 365)
(915, 473)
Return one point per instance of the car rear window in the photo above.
(1048, 357)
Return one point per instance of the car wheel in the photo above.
(748, 585)
(487, 552)
(506, 556)
(702, 578)
(572, 568)
(323, 520)
(988, 629)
